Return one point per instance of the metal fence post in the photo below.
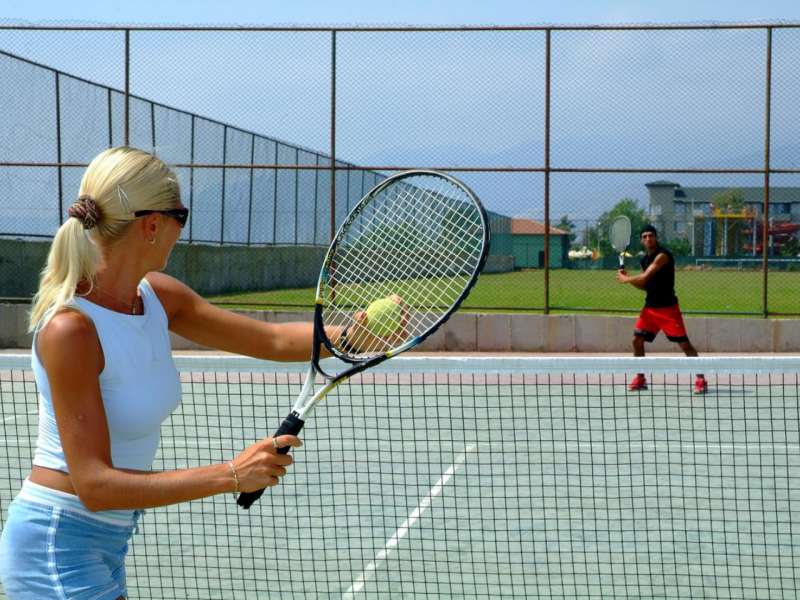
(250, 200)
(224, 177)
(546, 179)
(765, 268)
(127, 87)
(333, 135)
(58, 150)
(191, 180)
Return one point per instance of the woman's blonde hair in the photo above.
(119, 181)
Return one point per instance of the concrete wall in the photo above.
(206, 269)
(20, 266)
(215, 269)
(503, 332)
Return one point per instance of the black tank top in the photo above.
(661, 287)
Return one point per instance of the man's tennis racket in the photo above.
(620, 236)
(403, 261)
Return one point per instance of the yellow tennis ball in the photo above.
(384, 316)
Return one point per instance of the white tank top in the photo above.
(139, 385)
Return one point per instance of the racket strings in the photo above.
(620, 233)
(423, 221)
(415, 263)
(435, 291)
(431, 238)
(420, 242)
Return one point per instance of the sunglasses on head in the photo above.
(179, 214)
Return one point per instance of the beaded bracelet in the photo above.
(235, 481)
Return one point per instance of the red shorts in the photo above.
(667, 319)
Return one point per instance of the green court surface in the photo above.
(495, 479)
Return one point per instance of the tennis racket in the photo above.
(620, 236)
(419, 238)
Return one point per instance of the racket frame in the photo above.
(303, 407)
(617, 248)
(307, 400)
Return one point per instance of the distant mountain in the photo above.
(585, 196)
(781, 157)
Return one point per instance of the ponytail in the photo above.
(73, 257)
(102, 215)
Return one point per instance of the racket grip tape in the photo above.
(291, 426)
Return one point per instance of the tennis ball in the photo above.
(384, 317)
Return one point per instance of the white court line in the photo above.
(358, 584)
(12, 417)
(669, 446)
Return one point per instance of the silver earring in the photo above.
(153, 241)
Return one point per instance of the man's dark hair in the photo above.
(649, 228)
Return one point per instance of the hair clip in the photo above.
(123, 200)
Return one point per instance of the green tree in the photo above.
(791, 247)
(629, 208)
(679, 247)
(566, 225)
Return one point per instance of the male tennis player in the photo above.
(661, 311)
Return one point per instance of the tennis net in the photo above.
(475, 478)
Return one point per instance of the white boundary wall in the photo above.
(510, 332)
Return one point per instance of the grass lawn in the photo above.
(698, 291)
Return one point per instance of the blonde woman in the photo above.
(101, 358)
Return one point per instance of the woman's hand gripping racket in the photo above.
(403, 261)
(620, 236)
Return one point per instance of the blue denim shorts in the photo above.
(53, 547)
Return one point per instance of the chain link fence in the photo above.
(277, 132)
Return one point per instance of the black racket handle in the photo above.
(291, 425)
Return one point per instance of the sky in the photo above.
(604, 85)
(412, 12)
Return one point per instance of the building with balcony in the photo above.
(695, 214)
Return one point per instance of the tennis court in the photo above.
(476, 478)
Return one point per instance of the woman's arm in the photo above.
(71, 354)
(199, 321)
